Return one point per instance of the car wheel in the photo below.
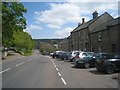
(75, 65)
(87, 65)
(99, 70)
(110, 70)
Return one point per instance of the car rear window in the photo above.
(117, 56)
(85, 54)
(107, 56)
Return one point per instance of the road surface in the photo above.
(38, 71)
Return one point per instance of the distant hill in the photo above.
(37, 44)
(46, 40)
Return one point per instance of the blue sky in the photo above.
(57, 20)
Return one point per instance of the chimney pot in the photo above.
(79, 24)
(83, 20)
(95, 14)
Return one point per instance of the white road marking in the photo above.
(57, 69)
(59, 74)
(63, 81)
(19, 64)
(53, 63)
(55, 66)
(5, 70)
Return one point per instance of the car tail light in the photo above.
(77, 56)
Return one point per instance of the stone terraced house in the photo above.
(100, 34)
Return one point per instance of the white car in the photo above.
(82, 55)
(73, 54)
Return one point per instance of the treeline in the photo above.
(46, 47)
(13, 24)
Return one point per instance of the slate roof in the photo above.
(86, 24)
(107, 24)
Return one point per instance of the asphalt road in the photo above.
(38, 71)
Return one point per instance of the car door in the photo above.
(117, 61)
(119, 64)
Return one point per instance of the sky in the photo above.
(48, 20)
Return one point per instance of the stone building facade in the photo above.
(80, 35)
(100, 34)
(106, 37)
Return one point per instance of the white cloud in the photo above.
(114, 14)
(72, 12)
(53, 26)
(59, 14)
(35, 27)
(32, 27)
(63, 33)
(89, 7)
(91, 1)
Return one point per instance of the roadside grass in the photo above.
(25, 53)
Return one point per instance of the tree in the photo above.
(23, 40)
(13, 24)
(47, 47)
(12, 20)
(54, 42)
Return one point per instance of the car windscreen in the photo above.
(59, 52)
(90, 54)
(117, 56)
(106, 56)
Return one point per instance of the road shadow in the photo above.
(77, 67)
(97, 72)
(72, 62)
(101, 72)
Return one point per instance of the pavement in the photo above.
(11, 56)
(38, 71)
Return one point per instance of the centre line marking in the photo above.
(59, 74)
(19, 64)
(5, 70)
(57, 69)
(55, 65)
(63, 81)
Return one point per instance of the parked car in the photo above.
(51, 54)
(56, 54)
(4, 52)
(72, 55)
(108, 63)
(64, 55)
(88, 60)
(81, 55)
(45, 53)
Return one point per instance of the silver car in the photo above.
(73, 54)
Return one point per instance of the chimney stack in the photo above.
(83, 20)
(79, 24)
(95, 14)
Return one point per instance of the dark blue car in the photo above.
(64, 55)
(108, 63)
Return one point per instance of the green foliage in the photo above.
(22, 40)
(47, 47)
(12, 20)
(40, 42)
(41, 49)
(13, 23)
(54, 42)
